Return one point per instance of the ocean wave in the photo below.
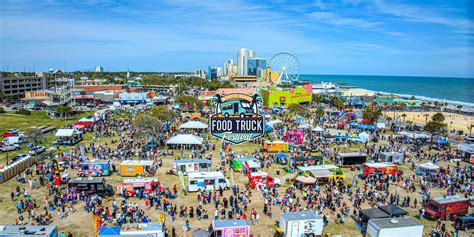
(426, 98)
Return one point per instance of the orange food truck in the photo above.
(275, 146)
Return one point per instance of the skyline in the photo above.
(427, 38)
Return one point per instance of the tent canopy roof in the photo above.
(187, 139)
(194, 125)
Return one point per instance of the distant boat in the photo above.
(328, 87)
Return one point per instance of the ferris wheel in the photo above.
(287, 65)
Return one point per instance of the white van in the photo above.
(207, 181)
(13, 140)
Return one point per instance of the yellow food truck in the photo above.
(275, 146)
(133, 168)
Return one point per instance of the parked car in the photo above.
(37, 150)
(20, 156)
(465, 222)
(10, 147)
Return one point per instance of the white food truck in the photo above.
(207, 181)
(296, 224)
(191, 166)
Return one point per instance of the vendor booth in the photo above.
(193, 125)
(305, 161)
(387, 227)
(28, 230)
(238, 164)
(323, 172)
(155, 229)
(229, 228)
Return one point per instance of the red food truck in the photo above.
(131, 187)
(261, 179)
(385, 168)
(444, 208)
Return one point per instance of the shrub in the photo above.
(23, 112)
(2, 110)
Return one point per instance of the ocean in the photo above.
(453, 90)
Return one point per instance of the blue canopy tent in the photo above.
(354, 125)
(268, 128)
(109, 231)
(282, 158)
(442, 141)
(366, 127)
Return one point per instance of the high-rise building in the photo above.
(99, 69)
(229, 67)
(212, 73)
(254, 64)
(242, 56)
(200, 73)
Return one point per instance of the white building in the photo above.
(219, 72)
(99, 69)
(242, 56)
(201, 73)
(229, 67)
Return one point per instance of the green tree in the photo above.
(426, 117)
(147, 124)
(337, 102)
(404, 116)
(190, 101)
(297, 109)
(163, 114)
(317, 99)
(372, 114)
(34, 135)
(436, 125)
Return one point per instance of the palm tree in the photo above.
(404, 116)
(426, 117)
(459, 107)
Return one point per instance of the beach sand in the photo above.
(454, 121)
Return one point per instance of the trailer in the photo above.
(296, 224)
(393, 157)
(28, 230)
(352, 158)
(94, 168)
(191, 166)
(259, 178)
(229, 228)
(305, 161)
(395, 227)
(207, 181)
(131, 168)
(446, 207)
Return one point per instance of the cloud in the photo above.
(335, 19)
(413, 13)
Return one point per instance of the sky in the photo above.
(353, 37)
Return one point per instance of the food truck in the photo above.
(390, 227)
(351, 158)
(90, 185)
(275, 146)
(296, 136)
(446, 207)
(261, 178)
(191, 166)
(229, 228)
(305, 161)
(384, 168)
(323, 172)
(94, 168)
(150, 229)
(28, 230)
(296, 224)
(133, 168)
(394, 157)
(131, 187)
(207, 181)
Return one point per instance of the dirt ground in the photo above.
(79, 222)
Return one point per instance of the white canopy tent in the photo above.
(193, 125)
(271, 123)
(318, 129)
(364, 137)
(428, 166)
(186, 139)
(66, 132)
